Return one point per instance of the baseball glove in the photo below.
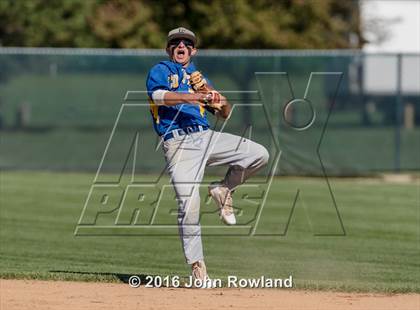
(198, 83)
(213, 100)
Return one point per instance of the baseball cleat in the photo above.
(199, 277)
(223, 198)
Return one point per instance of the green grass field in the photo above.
(380, 251)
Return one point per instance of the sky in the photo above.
(404, 35)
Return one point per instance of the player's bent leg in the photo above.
(249, 158)
(252, 159)
(221, 192)
(244, 157)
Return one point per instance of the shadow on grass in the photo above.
(122, 277)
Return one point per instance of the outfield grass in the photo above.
(380, 251)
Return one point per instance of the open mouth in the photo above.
(180, 53)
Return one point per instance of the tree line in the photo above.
(245, 24)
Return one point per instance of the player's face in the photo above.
(181, 50)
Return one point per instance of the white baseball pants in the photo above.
(187, 156)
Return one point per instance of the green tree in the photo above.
(257, 24)
(46, 23)
(126, 24)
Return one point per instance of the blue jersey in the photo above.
(171, 76)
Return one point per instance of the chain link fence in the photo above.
(58, 108)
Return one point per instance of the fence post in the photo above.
(398, 115)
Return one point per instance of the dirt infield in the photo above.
(34, 295)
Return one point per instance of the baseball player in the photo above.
(180, 100)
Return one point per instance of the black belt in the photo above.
(184, 131)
